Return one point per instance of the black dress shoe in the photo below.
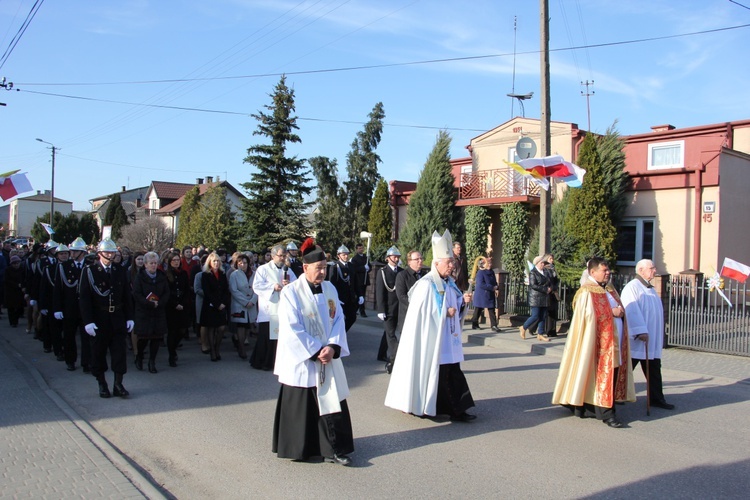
(464, 417)
(70, 367)
(119, 391)
(496, 329)
(139, 363)
(152, 366)
(388, 368)
(613, 422)
(339, 459)
(662, 404)
(104, 390)
(475, 327)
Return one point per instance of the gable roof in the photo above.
(176, 205)
(42, 197)
(169, 190)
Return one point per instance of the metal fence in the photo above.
(696, 317)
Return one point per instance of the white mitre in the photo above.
(442, 246)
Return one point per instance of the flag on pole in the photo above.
(14, 184)
(48, 228)
(535, 177)
(735, 270)
(554, 166)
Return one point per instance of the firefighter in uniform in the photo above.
(107, 314)
(47, 300)
(41, 275)
(387, 304)
(341, 275)
(65, 306)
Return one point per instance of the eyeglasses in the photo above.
(418, 258)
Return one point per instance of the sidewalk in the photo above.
(47, 450)
(509, 340)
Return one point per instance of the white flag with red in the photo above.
(735, 270)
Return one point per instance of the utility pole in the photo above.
(52, 189)
(545, 205)
(588, 106)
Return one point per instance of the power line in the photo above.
(237, 113)
(17, 37)
(393, 65)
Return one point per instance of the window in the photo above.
(664, 155)
(636, 241)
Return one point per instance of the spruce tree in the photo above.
(330, 216)
(432, 206)
(88, 229)
(381, 222)
(362, 171)
(188, 232)
(588, 218)
(214, 220)
(119, 217)
(275, 208)
(610, 148)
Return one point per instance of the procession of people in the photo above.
(294, 308)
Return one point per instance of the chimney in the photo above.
(38, 192)
(662, 128)
(209, 179)
(123, 189)
(199, 180)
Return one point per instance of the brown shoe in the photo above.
(523, 332)
(542, 338)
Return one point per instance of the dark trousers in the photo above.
(174, 335)
(264, 353)
(85, 339)
(107, 342)
(14, 314)
(655, 389)
(453, 394)
(56, 334)
(70, 349)
(478, 311)
(153, 348)
(390, 336)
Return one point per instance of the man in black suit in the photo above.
(362, 273)
(404, 281)
(387, 302)
(107, 314)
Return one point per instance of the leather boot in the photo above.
(152, 366)
(118, 389)
(139, 361)
(103, 389)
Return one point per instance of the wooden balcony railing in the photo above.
(497, 183)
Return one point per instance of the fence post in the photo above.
(502, 280)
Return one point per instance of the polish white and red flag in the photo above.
(735, 270)
(12, 184)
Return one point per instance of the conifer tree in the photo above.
(362, 170)
(432, 206)
(611, 152)
(381, 221)
(588, 218)
(188, 232)
(215, 218)
(275, 208)
(330, 220)
(119, 218)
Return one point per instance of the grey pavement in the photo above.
(47, 450)
(203, 430)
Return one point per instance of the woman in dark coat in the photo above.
(14, 299)
(484, 294)
(178, 314)
(539, 290)
(216, 299)
(151, 295)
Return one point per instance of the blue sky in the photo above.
(684, 80)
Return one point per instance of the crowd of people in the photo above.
(298, 306)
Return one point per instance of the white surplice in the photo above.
(266, 277)
(645, 314)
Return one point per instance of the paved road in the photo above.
(203, 430)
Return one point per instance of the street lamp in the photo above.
(52, 191)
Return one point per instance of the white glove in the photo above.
(32, 302)
(44, 311)
(130, 324)
(381, 316)
(367, 268)
(361, 300)
(58, 315)
(90, 329)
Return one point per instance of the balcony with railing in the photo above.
(497, 186)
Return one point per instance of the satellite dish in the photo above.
(525, 148)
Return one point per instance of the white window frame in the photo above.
(659, 145)
(638, 222)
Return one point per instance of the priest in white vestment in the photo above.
(312, 416)
(427, 377)
(645, 313)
